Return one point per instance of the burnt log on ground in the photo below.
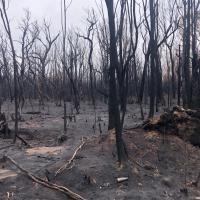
(184, 123)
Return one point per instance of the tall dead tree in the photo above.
(6, 24)
(90, 35)
(172, 62)
(64, 32)
(153, 47)
(186, 53)
(7, 74)
(42, 55)
(71, 70)
(103, 40)
(134, 35)
(127, 40)
(114, 113)
(195, 85)
(179, 77)
(158, 34)
(30, 33)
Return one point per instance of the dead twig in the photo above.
(45, 183)
(68, 163)
(24, 141)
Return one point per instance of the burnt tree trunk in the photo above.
(152, 57)
(114, 113)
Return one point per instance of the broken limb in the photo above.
(45, 183)
(23, 141)
(68, 163)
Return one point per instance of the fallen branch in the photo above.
(45, 183)
(23, 141)
(68, 163)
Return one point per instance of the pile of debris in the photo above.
(184, 123)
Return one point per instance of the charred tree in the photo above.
(114, 113)
(7, 28)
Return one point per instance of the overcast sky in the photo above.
(49, 9)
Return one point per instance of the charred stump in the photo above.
(4, 130)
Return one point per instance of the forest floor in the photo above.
(156, 170)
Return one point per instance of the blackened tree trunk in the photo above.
(195, 93)
(6, 25)
(173, 80)
(186, 54)
(179, 78)
(153, 47)
(114, 113)
(64, 10)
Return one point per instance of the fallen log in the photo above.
(45, 183)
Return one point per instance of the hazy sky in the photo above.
(49, 9)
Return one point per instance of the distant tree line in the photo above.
(132, 51)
